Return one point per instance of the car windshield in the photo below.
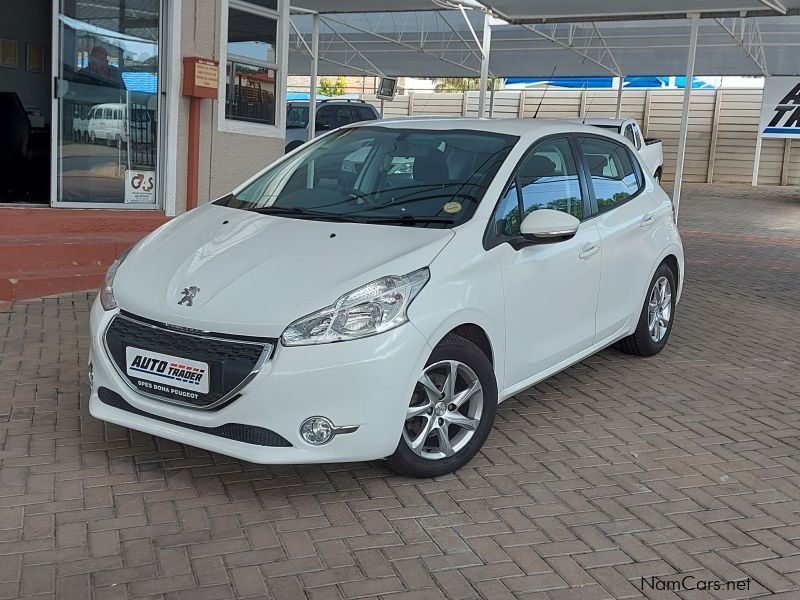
(414, 177)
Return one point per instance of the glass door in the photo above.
(106, 103)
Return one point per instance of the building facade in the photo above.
(96, 88)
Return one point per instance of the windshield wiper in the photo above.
(407, 220)
(301, 213)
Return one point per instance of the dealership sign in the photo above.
(140, 187)
(780, 108)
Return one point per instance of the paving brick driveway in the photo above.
(616, 469)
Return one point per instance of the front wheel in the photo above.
(655, 320)
(450, 413)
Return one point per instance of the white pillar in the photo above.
(687, 94)
(757, 160)
(619, 96)
(312, 97)
(491, 98)
(487, 41)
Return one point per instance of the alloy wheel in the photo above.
(659, 309)
(445, 410)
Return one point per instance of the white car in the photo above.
(110, 123)
(650, 150)
(376, 293)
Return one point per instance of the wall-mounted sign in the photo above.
(140, 187)
(200, 77)
(780, 108)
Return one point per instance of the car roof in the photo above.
(600, 121)
(533, 128)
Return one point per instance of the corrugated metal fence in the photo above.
(722, 125)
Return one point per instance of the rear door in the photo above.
(629, 220)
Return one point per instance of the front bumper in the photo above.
(365, 383)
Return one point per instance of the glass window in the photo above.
(296, 117)
(546, 178)
(251, 68)
(108, 59)
(326, 118)
(365, 113)
(383, 175)
(613, 175)
(629, 134)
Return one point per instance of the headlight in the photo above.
(107, 291)
(373, 308)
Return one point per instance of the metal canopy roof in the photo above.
(440, 43)
(534, 11)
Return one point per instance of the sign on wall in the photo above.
(780, 108)
(140, 187)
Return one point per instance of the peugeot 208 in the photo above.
(378, 291)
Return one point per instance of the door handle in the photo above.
(589, 250)
(646, 221)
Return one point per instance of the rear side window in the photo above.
(613, 175)
(344, 116)
(364, 113)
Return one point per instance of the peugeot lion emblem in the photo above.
(188, 295)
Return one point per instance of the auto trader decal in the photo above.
(166, 371)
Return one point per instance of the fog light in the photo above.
(91, 375)
(317, 430)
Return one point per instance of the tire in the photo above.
(646, 341)
(657, 176)
(476, 413)
(292, 145)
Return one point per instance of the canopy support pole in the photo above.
(687, 94)
(619, 96)
(491, 98)
(756, 160)
(485, 49)
(312, 97)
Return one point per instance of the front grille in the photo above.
(249, 434)
(232, 361)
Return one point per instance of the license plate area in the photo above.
(166, 373)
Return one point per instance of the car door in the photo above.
(628, 218)
(550, 289)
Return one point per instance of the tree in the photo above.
(462, 84)
(328, 88)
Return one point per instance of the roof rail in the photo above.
(342, 100)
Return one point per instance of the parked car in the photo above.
(650, 149)
(332, 113)
(109, 122)
(378, 292)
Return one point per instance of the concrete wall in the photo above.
(27, 22)
(226, 159)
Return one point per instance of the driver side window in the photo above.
(547, 177)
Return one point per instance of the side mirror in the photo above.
(546, 226)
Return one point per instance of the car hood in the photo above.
(258, 273)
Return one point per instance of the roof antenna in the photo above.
(536, 114)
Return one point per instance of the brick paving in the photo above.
(616, 469)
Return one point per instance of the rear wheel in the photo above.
(655, 320)
(450, 413)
